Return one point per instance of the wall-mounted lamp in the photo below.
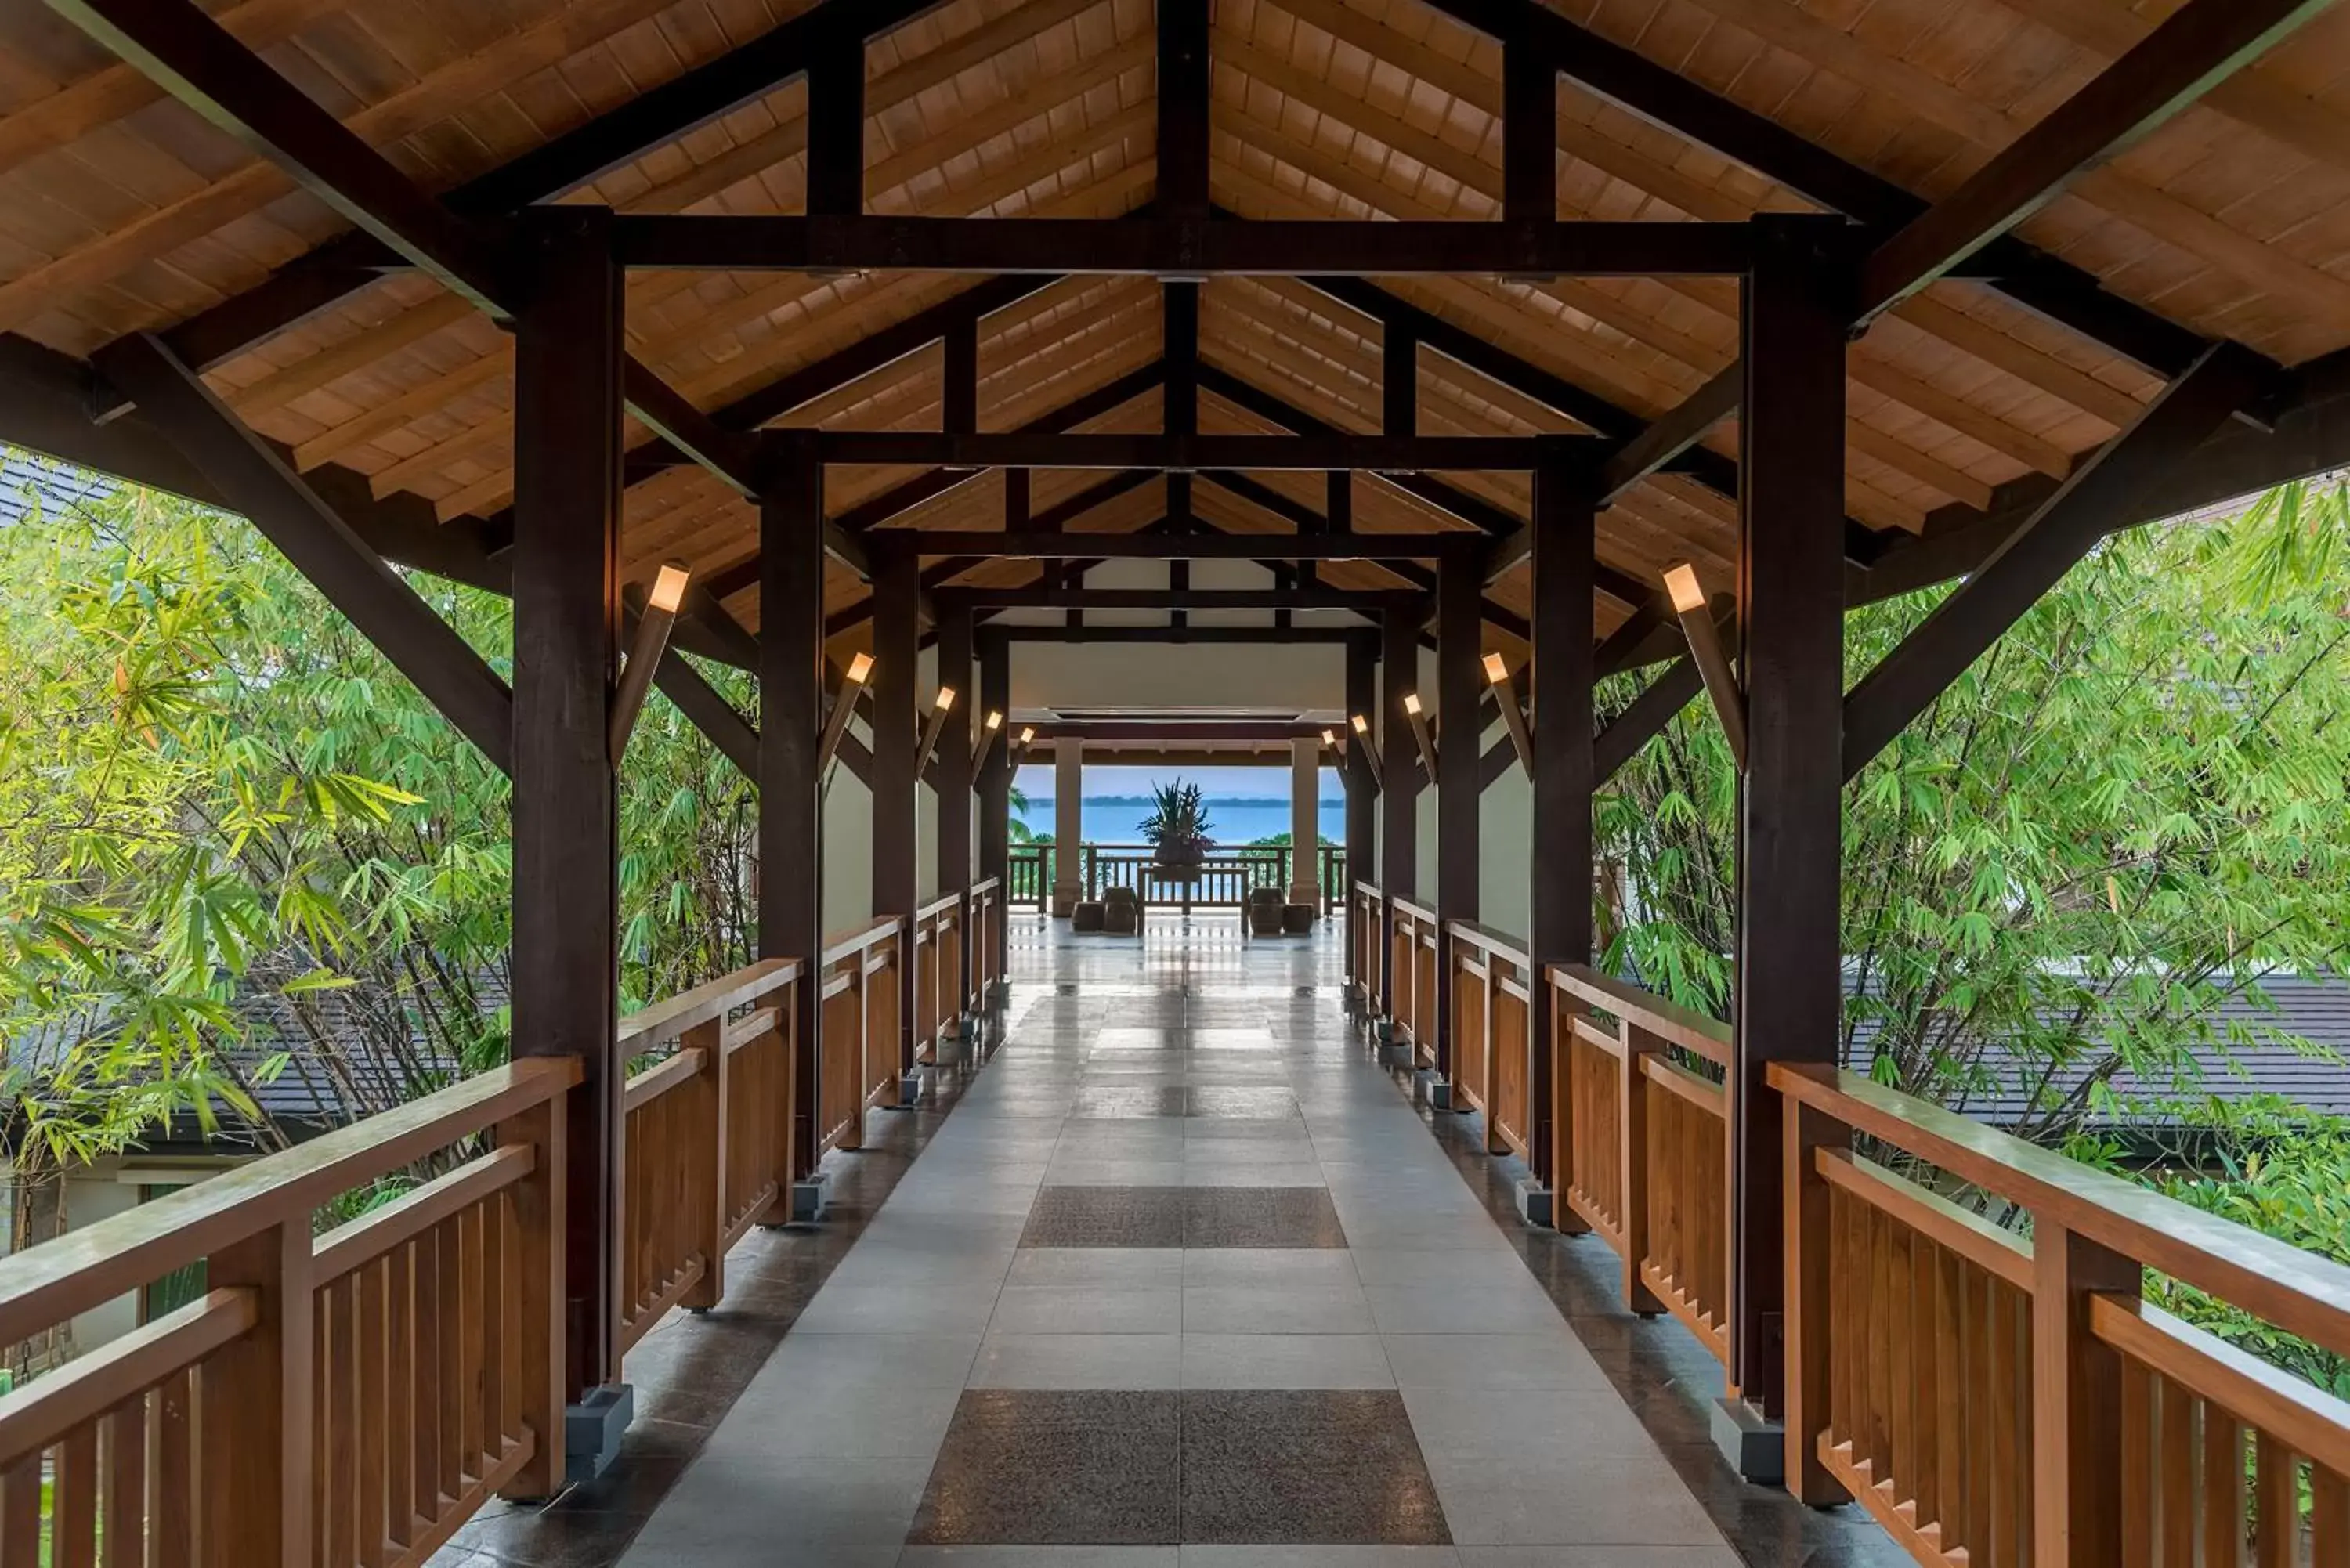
(934, 729)
(1705, 649)
(1370, 754)
(645, 652)
(992, 727)
(1420, 735)
(852, 687)
(1497, 675)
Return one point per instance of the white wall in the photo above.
(1506, 868)
(1307, 677)
(848, 847)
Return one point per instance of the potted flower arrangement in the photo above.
(1178, 830)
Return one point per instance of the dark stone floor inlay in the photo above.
(1127, 1102)
(1040, 1467)
(1261, 1217)
(1115, 1468)
(1243, 1103)
(1105, 1217)
(1314, 1467)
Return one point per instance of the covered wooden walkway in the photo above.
(873, 346)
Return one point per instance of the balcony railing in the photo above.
(1222, 881)
(1992, 1396)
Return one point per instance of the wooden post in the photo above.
(256, 1441)
(995, 780)
(2076, 1400)
(1563, 776)
(1791, 601)
(1632, 1167)
(791, 725)
(538, 1277)
(1068, 824)
(1810, 1328)
(1459, 771)
(897, 634)
(1362, 809)
(705, 1110)
(1400, 823)
(567, 611)
(954, 804)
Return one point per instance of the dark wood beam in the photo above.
(1177, 731)
(2117, 482)
(2200, 45)
(1176, 634)
(1566, 544)
(1181, 453)
(1672, 435)
(1399, 381)
(959, 380)
(836, 120)
(1180, 338)
(566, 965)
(1175, 596)
(1653, 91)
(1177, 247)
(1183, 109)
(1666, 694)
(247, 475)
(1338, 502)
(620, 136)
(1141, 546)
(1529, 131)
(204, 65)
(1793, 314)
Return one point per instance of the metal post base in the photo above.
(807, 1198)
(1755, 1445)
(592, 1430)
(1535, 1203)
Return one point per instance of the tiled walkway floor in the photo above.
(1182, 1279)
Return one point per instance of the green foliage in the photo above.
(1180, 816)
(236, 843)
(2128, 812)
(2296, 1189)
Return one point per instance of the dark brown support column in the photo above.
(1529, 132)
(1564, 775)
(791, 796)
(1796, 304)
(995, 778)
(896, 642)
(1184, 102)
(1399, 758)
(1400, 380)
(954, 783)
(959, 378)
(1459, 777)
(1362, 806)
(1338, 502)
(567, 641)
(836, 120)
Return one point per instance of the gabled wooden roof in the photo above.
(122, 211)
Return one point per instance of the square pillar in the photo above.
(1399, 821)
(995, 774)
(954, 779)
(1564, 773)
(1068, 825)
(897, 649)
(791, 724)
(1362, 804)
(1306, 822)
(1795, 309)
(567, 653)
(1460, 764)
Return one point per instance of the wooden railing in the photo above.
(1640, 1141)
(346, 1400)
(1413, 942)
(937, 972)
(986, 940)
(858, 995)
(1028, 876)
(1369, 938)
(1493, 994)
(708, 1136)
(1994, 1399)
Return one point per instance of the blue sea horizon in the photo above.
(1118, 820)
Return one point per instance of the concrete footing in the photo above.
(807, 1198)
(1535, 1203)
(592, 1430)
(1755, 1445)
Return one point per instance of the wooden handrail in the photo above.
(1419, 914)
(1669, 1021)
(715, 999)
(2298, 1292)
(1965, 1233)
(45, 1410)
(364, 1240)
(664, 1076)
(883, 927)
(2304, 1417)
(1365, 887)
(1499, 944)
(987, 884)
(949, 903)
(126, 1251)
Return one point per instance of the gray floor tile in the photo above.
(1089, 1309)
(1079, 1361)
(1284, 1361)
(1276, 1309)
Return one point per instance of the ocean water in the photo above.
(1230, 822)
